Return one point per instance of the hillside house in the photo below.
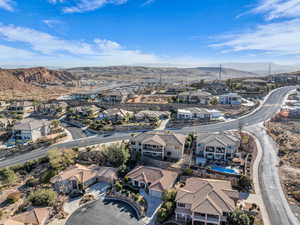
(115, 114)
(194, 97)
(35, 216)
(230, 99)
(217, 146)
(79, 177)
(154, 179)
(114, 96)
(194, 113)
(205, 202)
(30, 130)
(159, 144)
(151, 115)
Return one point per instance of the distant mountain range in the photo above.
(172, 73)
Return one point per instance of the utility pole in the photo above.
(220, 72)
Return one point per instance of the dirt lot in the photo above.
(287, 135)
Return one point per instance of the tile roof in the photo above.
(84, 173)
(165, 137)
(36, 216)
(208, 196)
(222, 139)
(160, 179)
(30, 124)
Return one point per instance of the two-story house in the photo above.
(159, 144)
(217, 146)
(194, 97)
(205, 202)
(79, 177)
(230, 99)
(30, 130)
(114, 97)
(154, 179)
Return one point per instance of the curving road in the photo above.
(269, 107)
(274, 199)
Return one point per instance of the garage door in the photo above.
(155, 193)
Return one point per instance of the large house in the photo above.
(154, 179)
(217, 146)
(230, 99)
(30, 130)
(151, 115)
(194, 113)
(36, 216)
(115, 114)
(21, 107)
(195, 97)
(205, 202)
(115, 96)
(159, 144)
(78, 177)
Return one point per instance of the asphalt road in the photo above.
(274, 199)
(104, 213)
(273, 196)
(269, 107)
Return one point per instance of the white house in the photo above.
(230, 99)
(30, 130)
(193, 113)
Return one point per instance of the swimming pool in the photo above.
(224, 170)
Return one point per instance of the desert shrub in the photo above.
(42, 197)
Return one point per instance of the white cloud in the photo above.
(279, 38)
(107, 45)
(43, 42)
(80, 6)
(52, 22)
(49, 49)
(148, 2)
(7, 52)
(7, 5)
(279, 8)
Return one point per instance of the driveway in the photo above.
(104, 213)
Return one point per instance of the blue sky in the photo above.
(148, 32)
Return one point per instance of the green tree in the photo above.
(214, 101)
(7, 176)
(42, 197)
(244, 183)
(116, 155)
(169, 195)
(61, 159)
(55, 123)
(238, 218)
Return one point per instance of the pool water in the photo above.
(224, 170)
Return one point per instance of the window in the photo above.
(180, 205)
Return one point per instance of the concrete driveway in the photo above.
(104, 213)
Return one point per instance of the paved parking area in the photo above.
(104, 213)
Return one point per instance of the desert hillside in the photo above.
(39, 75)
(139, 72)
(21, 83)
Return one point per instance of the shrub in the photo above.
(118, 186)
(238, 218)
(187, 172)
(8, 176)
(169, 195)
(32, 182)
(42, 197)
